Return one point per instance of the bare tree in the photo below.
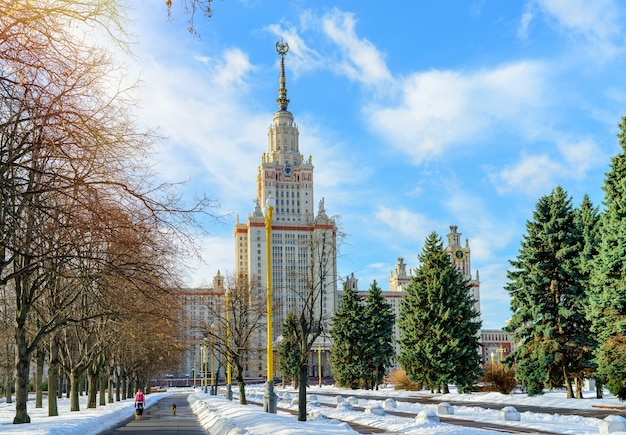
(191, 8)
(237, 317)
(321, 280)
(66, 146)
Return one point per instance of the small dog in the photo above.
(173, 409)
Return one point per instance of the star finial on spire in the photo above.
(282, 48)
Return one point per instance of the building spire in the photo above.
(282, 48)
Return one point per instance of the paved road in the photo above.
(158, 419)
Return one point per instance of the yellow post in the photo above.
(269, 398)
(213, 392)
(319, 362)
(201, 365)
(268, 230)
(206, 366)
(229, 391)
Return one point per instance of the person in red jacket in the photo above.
(140, 403)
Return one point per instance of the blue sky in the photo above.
(418, 115)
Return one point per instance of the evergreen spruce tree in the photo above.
(438, 331)
(548, 298)
(347, 356)
(378, 336)
(588, 222)
(289, 350)
(607, 308)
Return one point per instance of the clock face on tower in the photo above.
(287, 169)
(459, 254)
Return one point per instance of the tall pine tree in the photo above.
(438, 332)
(588, 223)
(548, 299)
(347, 357)
(607, 309)
(289, 350)
(378, 337)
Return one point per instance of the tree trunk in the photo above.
(75, 379)
(110, 385)
(445, 389)
(568, 383)
(241, 384)
(599, 389)
(103, 388)
(118, 395)
(242, 391)
(303, 379)
(39, 362)
(376, 379)
(92, 389)
(53, 378)
(22, 366)
(579, 387)
(9, 380)
(124, 387)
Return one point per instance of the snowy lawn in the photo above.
(220, 416)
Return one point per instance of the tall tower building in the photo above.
(460, 258)
(302, 238)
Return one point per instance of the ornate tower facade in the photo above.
(460, 258)
(302, 241)
(399, 280)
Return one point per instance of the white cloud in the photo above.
(539, 173)
(193, 108)
(412, 225)
(232, 70)
(525, 21)
(580, 157)
(362, 61)
(598, 22)
(439, 109)
(533, 174)
(302, 58)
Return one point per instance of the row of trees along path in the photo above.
(568, 296)
(89, 237)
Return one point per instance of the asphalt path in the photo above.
(158, 419)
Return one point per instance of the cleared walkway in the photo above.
(158, 419)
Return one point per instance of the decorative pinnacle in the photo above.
(282, 48)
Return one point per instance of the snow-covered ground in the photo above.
(220, 416)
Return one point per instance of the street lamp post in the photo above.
(206, 364)
(269, 398)
(229, 390)
(213, 386)
(319, 363)
(201, 366)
